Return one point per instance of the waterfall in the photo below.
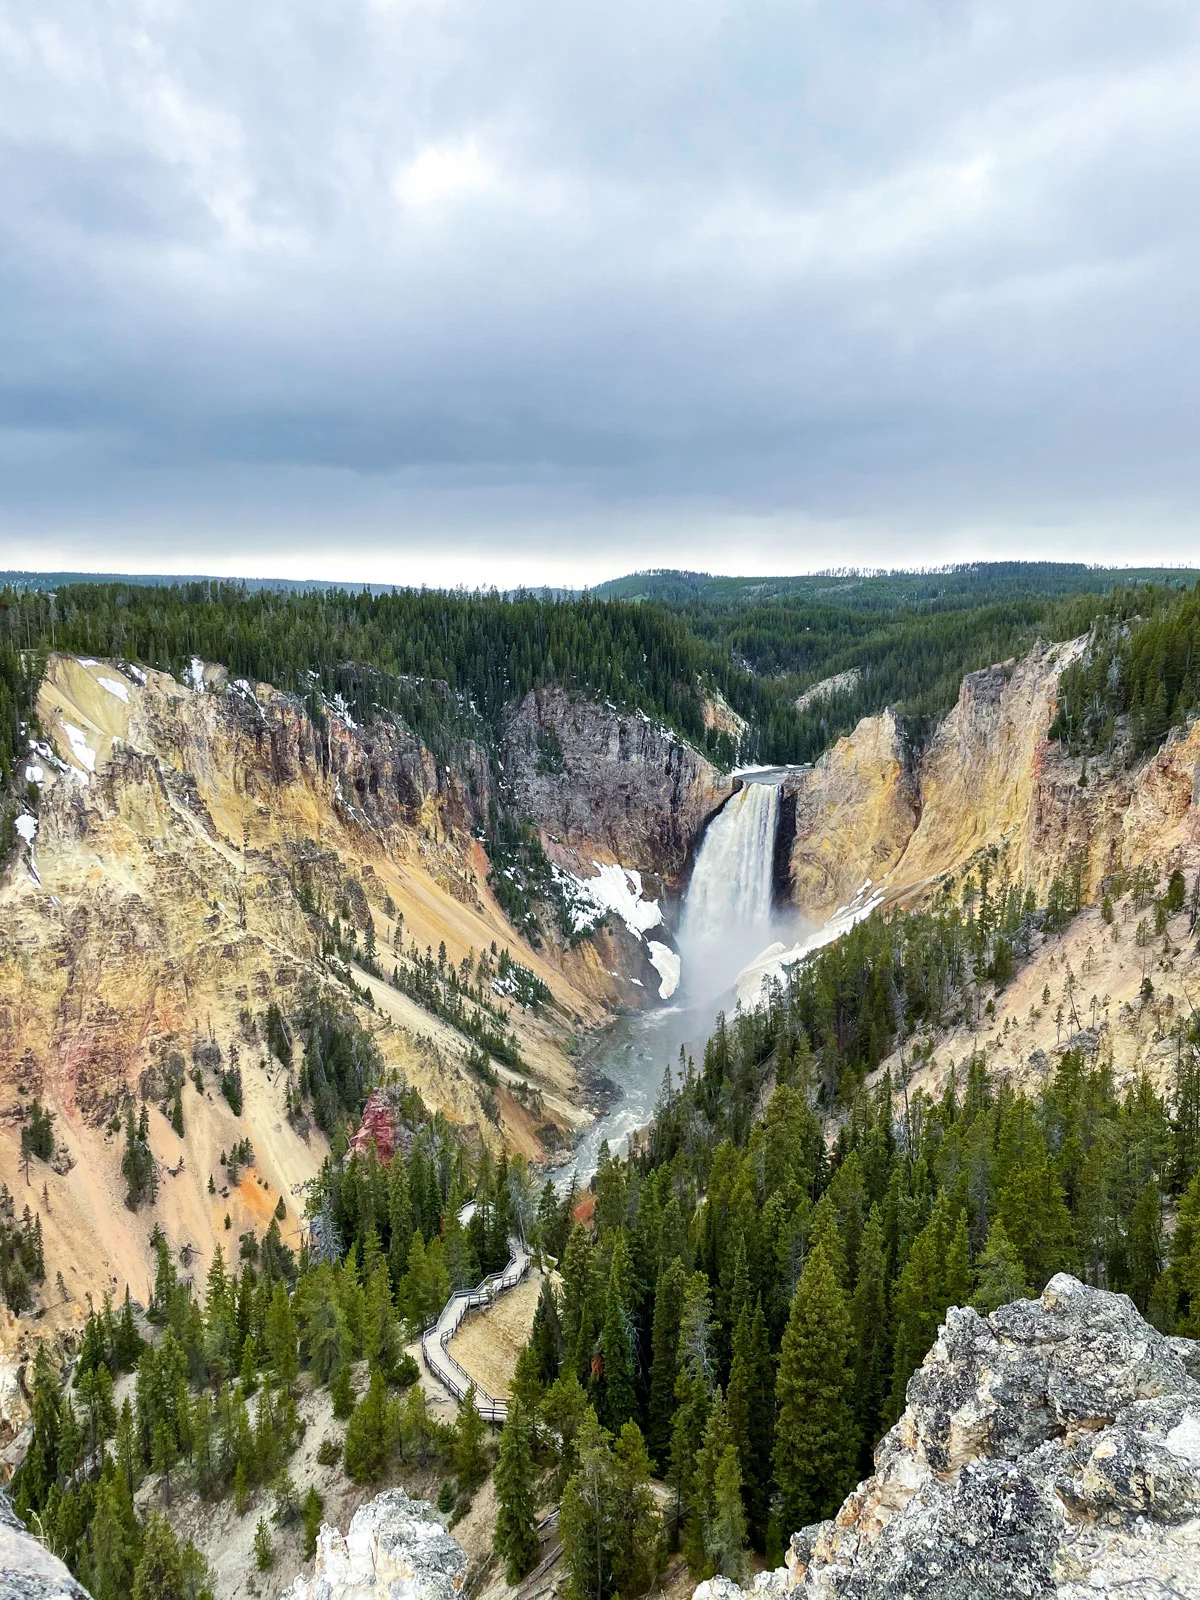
(727, 913)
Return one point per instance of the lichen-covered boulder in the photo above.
(394, 1549)
(1049, 1450)
(28, 1571)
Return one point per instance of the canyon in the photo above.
(207, 853)
(183, 829)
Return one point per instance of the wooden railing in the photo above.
(450, 1373)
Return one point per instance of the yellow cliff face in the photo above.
(856, 810)
(990, 779)
(979, 779)
(159, 914)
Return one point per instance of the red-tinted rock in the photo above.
(381, 1124)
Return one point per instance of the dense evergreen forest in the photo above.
(737, 1316)
(450, 664)
(1139, 678)
(907, 638)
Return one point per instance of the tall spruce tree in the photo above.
(619, 1400)
(515, 1539)
(815, 1439)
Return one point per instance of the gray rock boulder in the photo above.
(394, 1549)
(1051, 1449)
(28, 1571)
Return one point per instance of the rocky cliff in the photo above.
(609, 785)
(1051, 1449)
(990, 778)
(28, 1571)
(184, 832)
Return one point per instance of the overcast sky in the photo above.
(504, 290)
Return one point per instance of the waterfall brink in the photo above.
(727, 913)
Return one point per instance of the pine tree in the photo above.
(815, 1441)
(546, 1336)
(400, 1219)
(587, 1514)
(310, 1516)
(869, 1320)
(470, 1457)
(114, 1540)
(749, 1404)
(619, 1401)
(637, 1522)
(578, 1320)
(693, 1396)
(159, 1574)
(367, 1434)
(264, 1550)
(727, 1529)
(664, 1357)
(281, 1339)
(515, 1539)
(999, 1275)
(341, 1392)
(1144, 1249)
(936, 1275)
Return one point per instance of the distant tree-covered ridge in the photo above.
(449, 664)
(391, 651)
(908, 637)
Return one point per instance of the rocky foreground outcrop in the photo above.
(28, 1571)
(1051, 1449)
(394, 1549)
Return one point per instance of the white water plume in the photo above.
(728, 913)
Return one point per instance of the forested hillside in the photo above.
(1140, 677)
(905, 639)
(738, 1316)
(447, 662)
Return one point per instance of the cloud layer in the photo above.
(496, 288)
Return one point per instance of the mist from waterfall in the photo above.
(729, 915)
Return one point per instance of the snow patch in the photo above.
(194, 675)
(41, 748)
(26, 826)
(339, 705)
(34, 774)
(666, 963)
(614, 889)
(88, 661)
(137, 674)
(80, 749)
(119, 689)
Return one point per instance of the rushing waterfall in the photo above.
(728, 920)
(727, 914)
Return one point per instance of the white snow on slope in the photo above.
(26, 826)
(666, 963)
(34, 773)
(194, 676)
(113, 687)
(614, 889)
(80, 748)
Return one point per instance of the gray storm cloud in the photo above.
(561, 289)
